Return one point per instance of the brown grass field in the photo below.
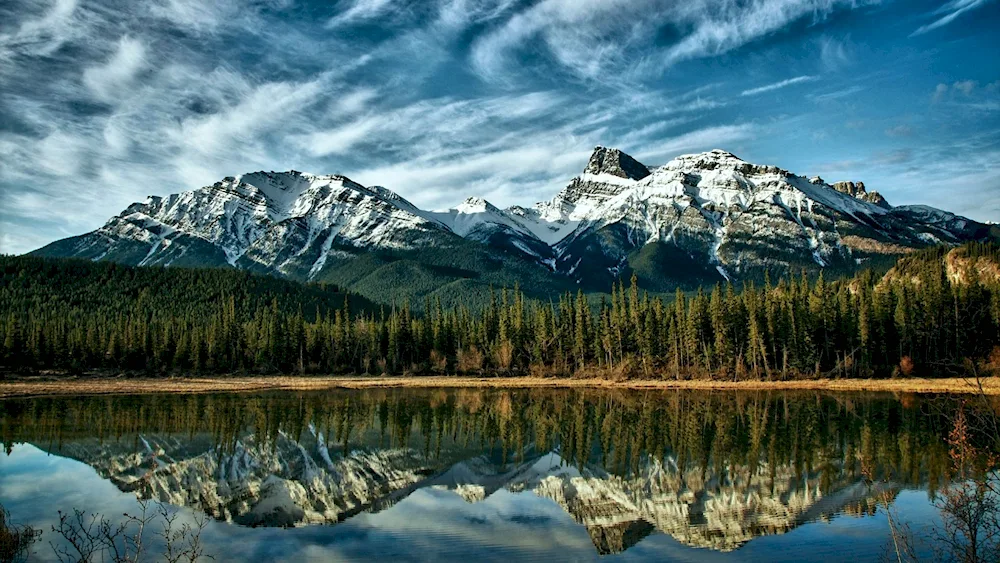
(42, 385)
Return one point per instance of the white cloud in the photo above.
(777, 85)
(900, 131)
(965, 86)
(110, 81)
(601, 41)
(355, 101)
(948, 13)
(834, 54)
(434, 124)
(721, 136)
(60, 154)
(940, 92)
(208, 17)
(339, 140)
(718, 29)
(42, 35)
(837, 94)
(360, 10)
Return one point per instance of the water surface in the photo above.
(490, 474)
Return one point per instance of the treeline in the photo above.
(934, 310)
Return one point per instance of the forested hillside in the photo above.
(934, 310)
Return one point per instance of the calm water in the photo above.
(489, 475)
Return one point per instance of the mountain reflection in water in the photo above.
(711, 470)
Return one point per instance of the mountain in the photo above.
(700, 218)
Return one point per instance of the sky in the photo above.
(103, 103)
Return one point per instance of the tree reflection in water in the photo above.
(711, 469)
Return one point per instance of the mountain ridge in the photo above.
(699, 218)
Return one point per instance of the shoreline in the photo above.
(50, 386)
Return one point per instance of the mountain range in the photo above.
(698, 219)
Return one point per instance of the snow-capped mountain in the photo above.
(288, 222)
(698, 218)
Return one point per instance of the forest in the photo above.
(937, 312)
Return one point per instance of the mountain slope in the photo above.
(698, 219)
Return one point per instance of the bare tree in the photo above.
(93, 537)
(181, 543)
(969, 504)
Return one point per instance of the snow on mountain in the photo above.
(718, 209)
(709, 216)
(475, 215)
(287, 222)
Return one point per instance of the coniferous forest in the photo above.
(931, 314)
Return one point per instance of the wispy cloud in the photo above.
(44, 33)
(360, 10)
(948, 13)
(108, 80)
(900, 131)
(837, 94)
(701, 139)
(591, 40)
(778, 85)
(834, 53)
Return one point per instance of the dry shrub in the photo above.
(15, 541)
(906, 366)
(504, 355)
(543, 371)
(470, 360)
(992, 364)
(439, 362)
(625, 370)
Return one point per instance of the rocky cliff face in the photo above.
(857, 190)
(699, 218)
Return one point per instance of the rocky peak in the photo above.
(616, 163)
(850, 188)
(857, 190)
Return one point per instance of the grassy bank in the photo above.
(39, 386)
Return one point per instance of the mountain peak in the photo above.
(476, 205)
(615, 162)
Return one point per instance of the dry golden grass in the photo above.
(36, 386)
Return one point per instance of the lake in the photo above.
(466, 474)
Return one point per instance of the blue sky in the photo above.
(104, 103)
